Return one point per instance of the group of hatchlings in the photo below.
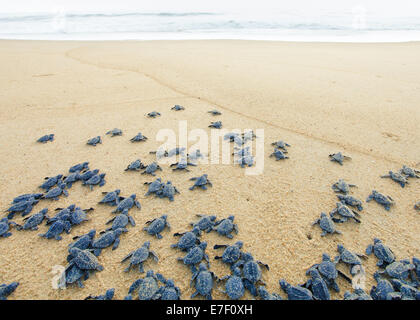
(395, 279)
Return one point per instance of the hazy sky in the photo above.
(386, 7)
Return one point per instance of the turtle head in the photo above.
(284, 284)
(71, 207)
(203, 245)
(237, 272)
(150, 273)
(231, 218)
(92, 233)
(416, 262)
(212, 218)
(202, 267)
(74, 251)
(146, 244)
(96, 171)
(12, 287)
(323, 214)
(133, 196)
(44, 211)
(117, 191)
(119, 231)
(239, 244)
(5, 220)
(170, 283)
(376, 240)
(102, 175)
(326, 257)
(164, 217)
(247, 256)
(340, 248)
(109, 294)
(59, 176)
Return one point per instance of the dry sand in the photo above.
(361, 99)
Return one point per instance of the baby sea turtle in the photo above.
(409, 172)
(265, 295)
(25, 207)
(231, 254)
(318, 286)
(73, 274)
(195, 255)
(416, 262)
(32, 222)
(147, 288)
(79, 167)
(246, 161)
(139, 256)
(153, 114)
(408, 292)
(400, 270)
(135, 166)
(54, 193)
(51, 182)
(382, 252)
(167, 191)
(225, 227)
(84, 260)
(350, 201)
(121, 221)
(195, 155)
(151, 169)
(7, 289)
(358, 294)
(383, 289)
(182, 165)
(71, 178)
(344, 212)
(156, 226)
(79, 215)
(154, 186)
(386, 201)
(214, 112)
(295, 292)
(63, 214)
(111, 198)
(46, 138)
(397, 177)
(203, 279)
(94, 141)
(280, 155)
(280, 144)
(338, 157)
(109, 294)
(138, 137)
(242, 152)
(177, 107)
(251, 271)
(234, 286)
(98, 179)
(205, 223)
(82, 242)
(231, 136)
(188, 239)
(85, 176)
(342, 186)
(56, 229)
(176, 151)
(160, 153)
(350, 258)
(169, 291)
(115, 132)
(26, 197)
(5, 227)
(326, 224)
(107, 239)
(201, 182)
(127, 204)
(216, 125)
(417, 205)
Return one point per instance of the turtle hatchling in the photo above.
(84, 260)
(169, 291)
(409, 172)
(327, 269)
(318, 286)
(188, 239)
(109, 294)
(71, 178)
(151, 169)
(400, 270)
(79, 215)
(111, 198)
(280, 155)
(82, 242)
(85, 176)
(32, 222)
(46, 138)
(417, 206)
(135, 166)
(167, 191)
(139, 256)
(94, 141)
(265, 295)
(344, 213)
(107, 239)
(203, 282)
(225, 227)
(98, 179)
(153, 114)
(216, 125)
(121, 221)
(350, 258)
(177, 107)
(252, 272)
(79, 167)
(326, 224)
(338, 157)
(214, 112)
(51, 182)
(25, 207)
(127, 203)
(383, 289)
(154, 186)
(295, 292)
(26, 197)
(342, 186)
(138, 137)
(358, 294)
(280, 144)
(182, 165)
(156, 226)
(54, 193)
(246, 161)
(206, 222)
(397, 177)
(195, 255)
(115, 132)
(234, 286)
(231, 254)
(147, 288)
(386, 201)
(382, 252)
(56, 229)
(350, 201)
(201, 182)
(7, 289)
(5, 227)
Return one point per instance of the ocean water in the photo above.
(356, 25)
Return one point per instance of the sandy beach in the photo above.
(321, 98)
